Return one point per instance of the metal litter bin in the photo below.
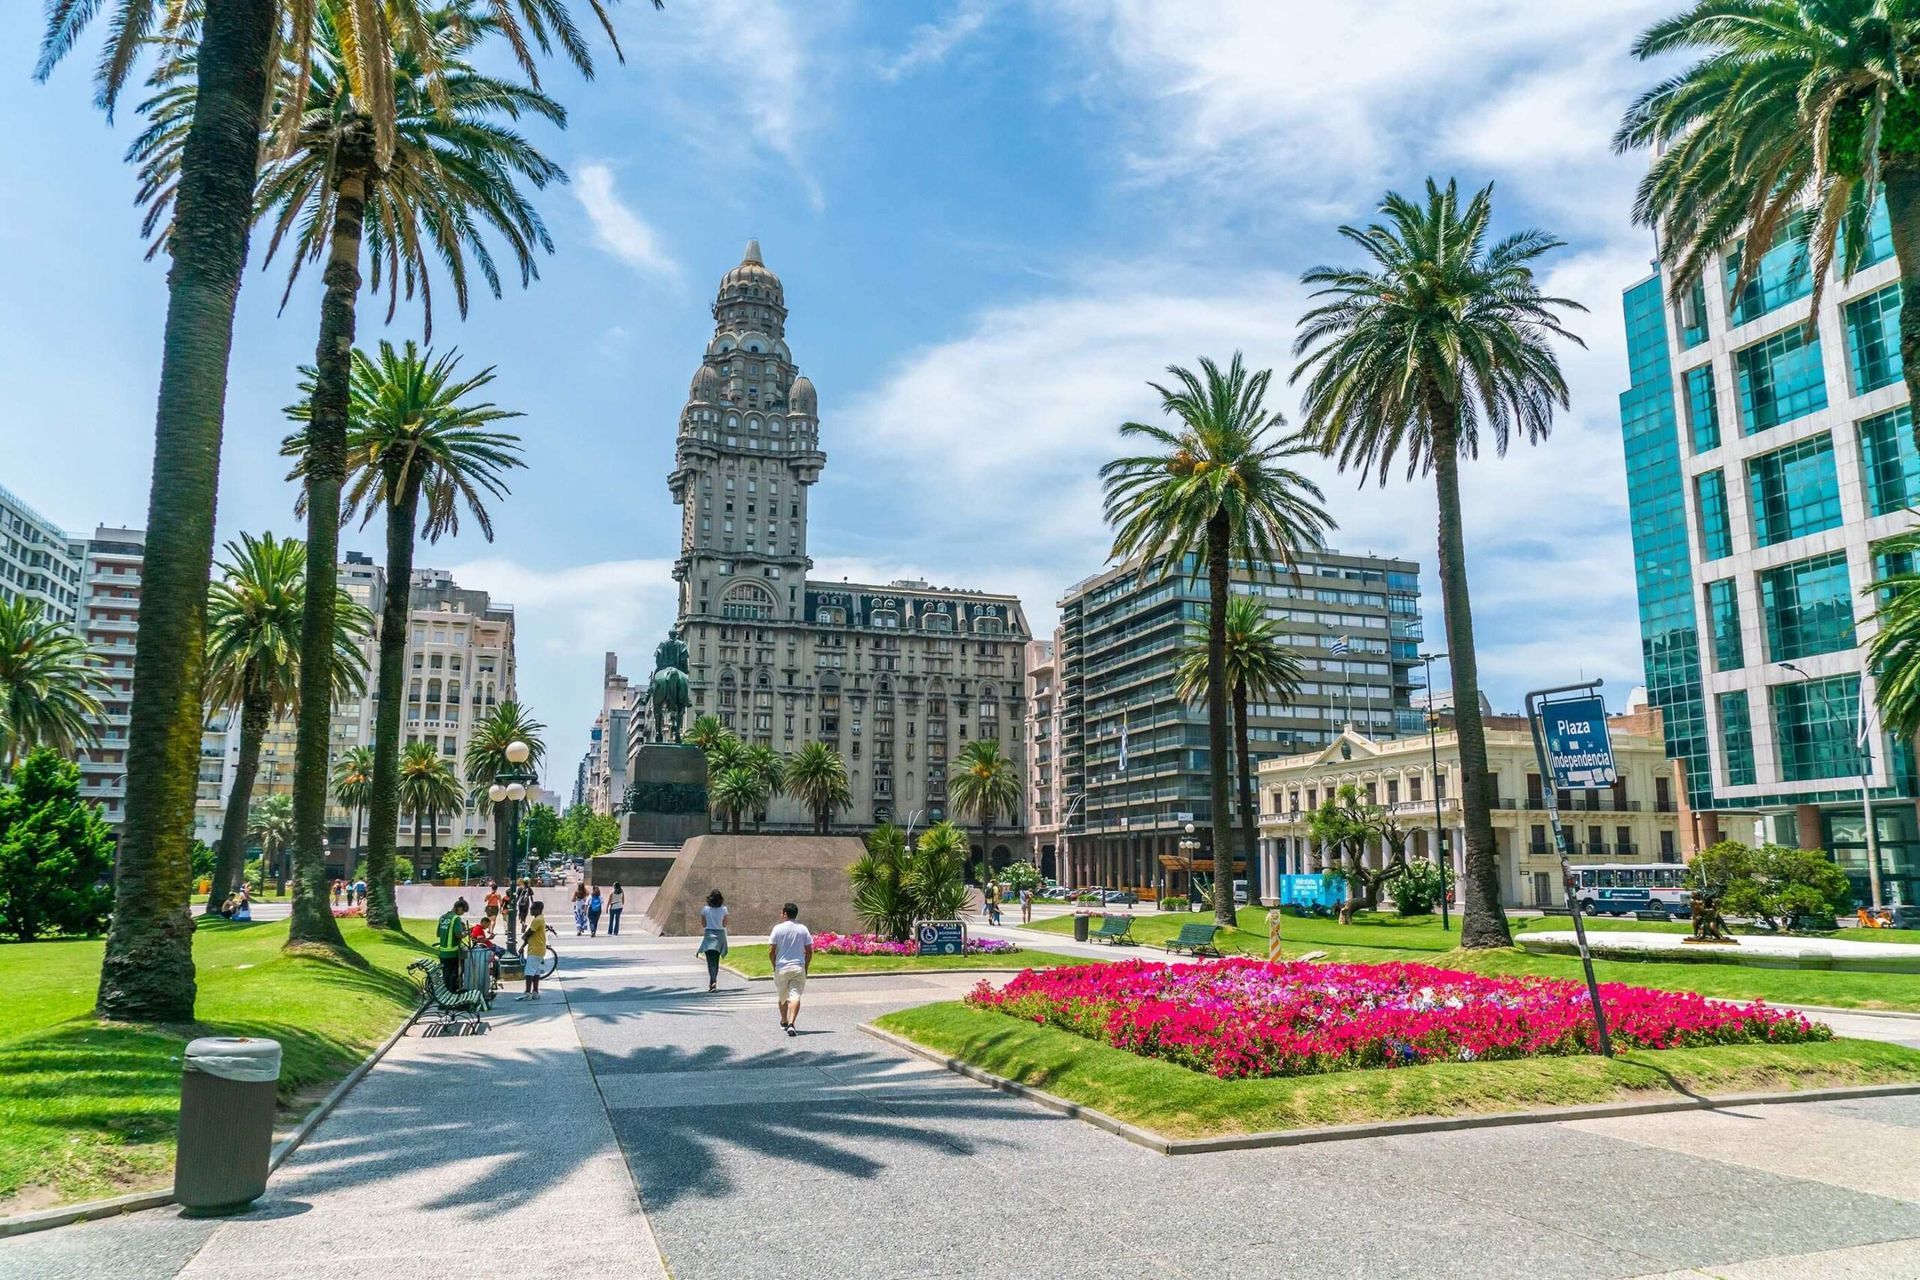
(1079, 926)
(474, 970)
(226, 1123)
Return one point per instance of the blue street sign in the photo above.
(943, 938)
(1578, 751)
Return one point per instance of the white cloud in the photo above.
(618, 229)
(929, 43)
(1009, 420)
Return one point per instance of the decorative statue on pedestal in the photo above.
(1707, 923)
(668, 692)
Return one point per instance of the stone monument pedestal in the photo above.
(666, 807)
(757, 874)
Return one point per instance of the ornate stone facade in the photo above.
(897, 677)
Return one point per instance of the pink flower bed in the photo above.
(1241, 1018)
(872, 944)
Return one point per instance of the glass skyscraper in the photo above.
(1766, 459)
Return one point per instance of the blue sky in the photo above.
(994, 222)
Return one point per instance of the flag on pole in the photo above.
(1341, 647)
(1123, 742)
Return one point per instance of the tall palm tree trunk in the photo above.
(147, 971)
(255, 713)
(1249, 812)
(1219, 588)
(1482, 921)
(419, 866)
(1902, 179)
(383, 806)
(326, 470)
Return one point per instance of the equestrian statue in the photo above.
(668, 691)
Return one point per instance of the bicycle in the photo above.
(552, 962)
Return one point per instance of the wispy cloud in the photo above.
(618, 229)
(929, 43)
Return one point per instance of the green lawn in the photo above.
(1177, 1102)
(751, 962)
(89, 1108)
(1379, 938)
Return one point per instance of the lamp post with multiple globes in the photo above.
(508, 792)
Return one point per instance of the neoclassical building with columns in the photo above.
(1642, 818)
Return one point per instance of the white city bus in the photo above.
(1617, 888)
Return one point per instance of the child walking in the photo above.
(534, 952)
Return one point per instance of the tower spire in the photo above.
(753, 254)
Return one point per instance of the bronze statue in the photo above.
(1708, 926)
(668, 692)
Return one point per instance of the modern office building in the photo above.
(898, 676)
(1134, 758)
(1045, 783)
(606, 766)
(1766, 459)
(38, 561)
(1641, 819)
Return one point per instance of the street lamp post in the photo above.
(1433, 747)
(1066, 839)
(1865, 753)
(508, 791)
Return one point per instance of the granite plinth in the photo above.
(667, 797)
(758, 874)
(646, 865)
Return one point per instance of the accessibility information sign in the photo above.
(943, 938)
(1578, 751)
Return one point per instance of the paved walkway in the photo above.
(757, 1155)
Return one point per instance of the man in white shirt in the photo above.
(790, 951)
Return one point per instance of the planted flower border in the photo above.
(1238, 1019)
(872, 944)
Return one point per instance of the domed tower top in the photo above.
(801, 398)
(706, 385)
(750, 296)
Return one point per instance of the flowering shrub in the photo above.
(343, 913)
(1242, 1018)
(872, 944)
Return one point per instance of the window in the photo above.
(1794, 491)
(1808, 606)
(1779, 379)
(1777, 278)
(1814, 723)
(1710, 503)
(1703, 413)
(1736, 739)
(1693, 314)
(1873, 339)
(1889, 461)
(1723, 619)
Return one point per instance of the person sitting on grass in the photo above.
(450, 939)
(534, 948)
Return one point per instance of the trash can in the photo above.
(1080, 926)
(474, 970)
(226, 1123)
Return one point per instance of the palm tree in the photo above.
(1259, 666)
(47, 688)
(767, 765)
(879, 879)
(270, 824)
(936, 877)
(428, 788)
(353, 787)
(1409, 361)
(487, 759)
(254, 616)
(736, 791)
(1219, 488)
(147, 970)
(417, 436)
(1790, 107)
(817, 778)
(983, 783)
(451, 171)
(705, 731)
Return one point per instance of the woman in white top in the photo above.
(713, 937)
(616, 903)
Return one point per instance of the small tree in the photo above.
(542, 826)
(1348, 826)
(55, 852)
(879, 878)
(458, 862)
(1772, 883)
(1417, 887)
(1019, 875)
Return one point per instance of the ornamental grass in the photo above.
(1237, 1019)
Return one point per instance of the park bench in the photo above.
(1651, 915)
(1116, 930)
(1195, 940)
(457, 1012)
(1556, 911)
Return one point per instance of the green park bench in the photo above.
(1195, 940)
(1115, 930)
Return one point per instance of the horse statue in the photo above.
(668, 692)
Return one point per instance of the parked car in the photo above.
(1120, 897)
